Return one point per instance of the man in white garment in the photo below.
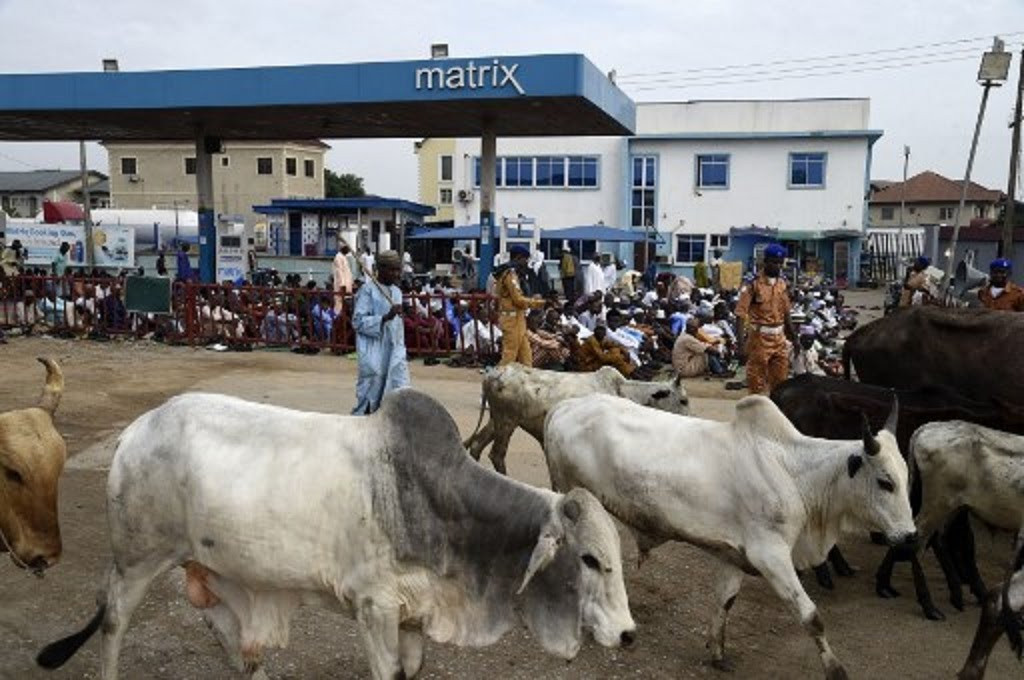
(593, 277)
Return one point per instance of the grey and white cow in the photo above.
(383, 517)
(755, 493)
(520, 396)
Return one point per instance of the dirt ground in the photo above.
(109, 384)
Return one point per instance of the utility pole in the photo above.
(903, 206)
(995, 66)
(1009, 214)
(90, 258)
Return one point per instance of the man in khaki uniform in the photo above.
(1000, 293)
(916, 280)
(512, 306)
(763, 308)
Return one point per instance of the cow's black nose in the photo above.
(627, 638)
(910, 539)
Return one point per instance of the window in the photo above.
(129, 166)
(225, 162)
(690, 248)
(190, 166)
(582, 171)
(806, 170)
(265, 166)
(291, 166)
(309, 168)
(644, 188)
(713, 171)
(718, 242)
(497, 172)
(445, 197)
(946, 213)
(446, 168)
(889, 213)
(519, 171)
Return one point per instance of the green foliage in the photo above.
(345, 185)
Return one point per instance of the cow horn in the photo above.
(871, 447)
(54, 386)
(894, 416)
(543, 553)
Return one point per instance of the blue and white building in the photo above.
(704, 175)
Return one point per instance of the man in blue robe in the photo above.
(380, 335)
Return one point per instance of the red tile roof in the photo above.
(931, 187)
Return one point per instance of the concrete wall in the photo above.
(161, 180)
(758, 191)
(428, 153)
(929, 213)
(762, 116)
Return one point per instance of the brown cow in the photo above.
(32, 455)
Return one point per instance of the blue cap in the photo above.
(922, 261)
(518, 251)
(775, 250)
(1001, 263)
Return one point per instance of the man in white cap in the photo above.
(380, 335)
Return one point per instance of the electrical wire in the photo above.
(796, 60)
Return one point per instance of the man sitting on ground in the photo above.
(692, 357)
(549, 350)
(596, 351)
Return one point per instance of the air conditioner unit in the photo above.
(465, 196)
(134, 179)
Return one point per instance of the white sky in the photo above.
(931, 107)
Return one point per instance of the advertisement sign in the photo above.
(113, 246)
(42, 241)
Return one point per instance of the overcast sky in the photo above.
(930, 107)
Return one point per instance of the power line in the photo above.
(641, 75)
(19, 162)
(972, 52)
(817, 74)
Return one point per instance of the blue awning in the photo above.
(597, 232)
(469, 232)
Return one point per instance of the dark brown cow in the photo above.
(974, 352)
(832, 408)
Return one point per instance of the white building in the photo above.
(703, 174)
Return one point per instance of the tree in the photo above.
(346, 185)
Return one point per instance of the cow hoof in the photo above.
(724, 665)
(886, 592)
(957, 600)
(836, 672)
(824, 577)
(845, 570)
(932, 613)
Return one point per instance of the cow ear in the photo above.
(853, 463)
(543, 553)
(571, 510)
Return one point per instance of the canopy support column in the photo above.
(488, 163)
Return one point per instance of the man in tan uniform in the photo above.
(763, 308)
(512, 306)
(1000, 293)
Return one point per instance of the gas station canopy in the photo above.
(537, 95)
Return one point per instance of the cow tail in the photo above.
(56, 654)
(480, 418)
(54, 386)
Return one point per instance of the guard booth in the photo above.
(517, 231)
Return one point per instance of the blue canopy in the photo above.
(597, 232)
(466, 233)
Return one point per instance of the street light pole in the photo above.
(903, 205)
(995, 67)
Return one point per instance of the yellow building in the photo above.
(162, 174)
(437, 188)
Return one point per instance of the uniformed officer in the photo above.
(1001, 293)
(512, 305)
(763, 308)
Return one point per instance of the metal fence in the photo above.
(245, 317)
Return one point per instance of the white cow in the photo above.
(383, 517)
(1002, 611)
(754, 493)
(520, 396)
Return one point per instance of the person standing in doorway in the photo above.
(512, 305)
(764, 309)
(380, 335)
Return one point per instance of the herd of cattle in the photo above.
(409, 535)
